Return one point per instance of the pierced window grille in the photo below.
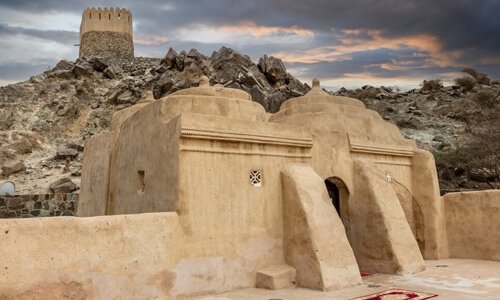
(256, 178)
(388, 177)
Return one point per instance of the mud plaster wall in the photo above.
(102, 258)
(473, 225)
(140, 256)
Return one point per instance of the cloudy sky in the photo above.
(343, 42)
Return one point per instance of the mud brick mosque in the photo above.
(202, 192)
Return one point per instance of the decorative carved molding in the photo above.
(360, 147)
(195, 133)
(393, 163)
(284, 153)
(371, 149)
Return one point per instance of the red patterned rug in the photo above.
(397, 294)
(365, 274)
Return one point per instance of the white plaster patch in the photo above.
(258, 248)
(199, 275)
(238, 274)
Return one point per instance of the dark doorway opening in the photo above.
(334, 193)
(339, 195)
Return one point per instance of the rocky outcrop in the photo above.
(268, 81)
(273, 68)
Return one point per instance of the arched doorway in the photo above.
(339, 195)
(334, 194)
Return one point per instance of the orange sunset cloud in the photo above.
(259, 30)
(351, 41)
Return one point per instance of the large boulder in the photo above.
(83, 69)
(62, 74)
(273, 68)
(194, 59)
(409, 122)
(100, 64)
(228, 57)
(113, 71)
(163, 85)
(258, 95)
(179, 60)
(295, 85)
(183, 84)
(273, 102)
(63, 186)
(67, 106)
(195, 55)
(64, 65)
(13, 167)
(127, 97)
(68, 150)
(169, 59)
(229, 65)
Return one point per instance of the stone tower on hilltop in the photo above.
(106, 32)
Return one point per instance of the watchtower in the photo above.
(106, 32)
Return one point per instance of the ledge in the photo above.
(193, 133)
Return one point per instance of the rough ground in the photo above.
(449, 279)
(45, 120)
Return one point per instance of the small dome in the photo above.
(318, 96)
(205, 89)
(324, 112)
(213, 100)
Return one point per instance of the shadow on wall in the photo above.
(413, 212)
(339, 195)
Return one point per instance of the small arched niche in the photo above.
(339, 196)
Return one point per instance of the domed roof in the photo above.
(205, 89)
(318, 95)
(321, 111)
(213, 100)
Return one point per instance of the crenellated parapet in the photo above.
(106, 32)
(106, 19)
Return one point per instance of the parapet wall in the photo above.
(106, 19)
(473, 223)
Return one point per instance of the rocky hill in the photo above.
(45, 120)
(460, 124)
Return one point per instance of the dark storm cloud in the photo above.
(436, 36)
(458, 23)
(60, 36)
